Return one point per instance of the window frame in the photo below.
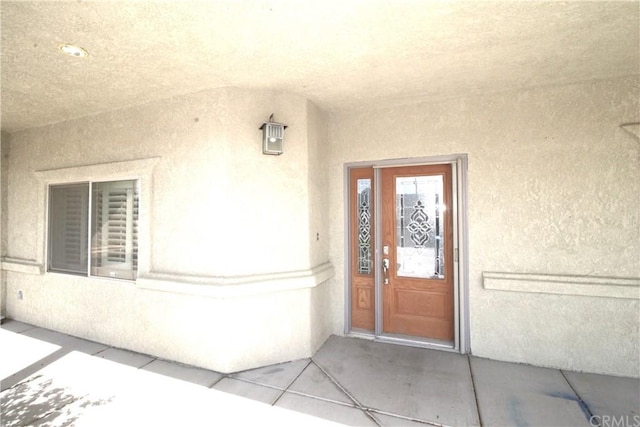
(131, 274)
(142, 169)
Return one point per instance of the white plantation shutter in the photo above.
(119, 225)
(114, 237)
(68, 228)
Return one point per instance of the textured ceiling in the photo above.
(340, 54)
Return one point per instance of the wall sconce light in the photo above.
(272, 137)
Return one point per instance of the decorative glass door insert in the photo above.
(419, 226)
(365, 263)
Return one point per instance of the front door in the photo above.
(416, 244)
(417, 251)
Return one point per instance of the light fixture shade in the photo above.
(272, 137)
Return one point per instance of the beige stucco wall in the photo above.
(234, 246)
(4, 175)
(210, 186)
(553, 188)
(318, 231)
(229, 272)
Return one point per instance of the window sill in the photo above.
(22, 266)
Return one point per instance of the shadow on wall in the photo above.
(37, 400)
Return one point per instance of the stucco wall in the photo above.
(4, 175)
(228, 270)
(210, 187)
(553, 188)
(317, 183)
(318, 231)
(234, 270)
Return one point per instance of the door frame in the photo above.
(459, 165)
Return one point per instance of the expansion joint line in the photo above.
(346, 392)
(583, 405)
(473, 388)
(290, 384)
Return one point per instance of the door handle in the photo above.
(385, 271)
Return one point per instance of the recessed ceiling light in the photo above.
(72, 50)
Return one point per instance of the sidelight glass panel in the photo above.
(364, 226)
(420, 226)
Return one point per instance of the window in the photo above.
(93, 229)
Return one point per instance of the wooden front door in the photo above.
(417, 251)
(415, 274)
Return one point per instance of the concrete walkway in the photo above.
(50, 378)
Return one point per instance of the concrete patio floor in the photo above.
(49, 378)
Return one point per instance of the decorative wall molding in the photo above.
(208, 286)
(604, 287)
(25, 266)
(236, 286)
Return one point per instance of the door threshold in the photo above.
(411, 341)
(362, 334)
(405, 340)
